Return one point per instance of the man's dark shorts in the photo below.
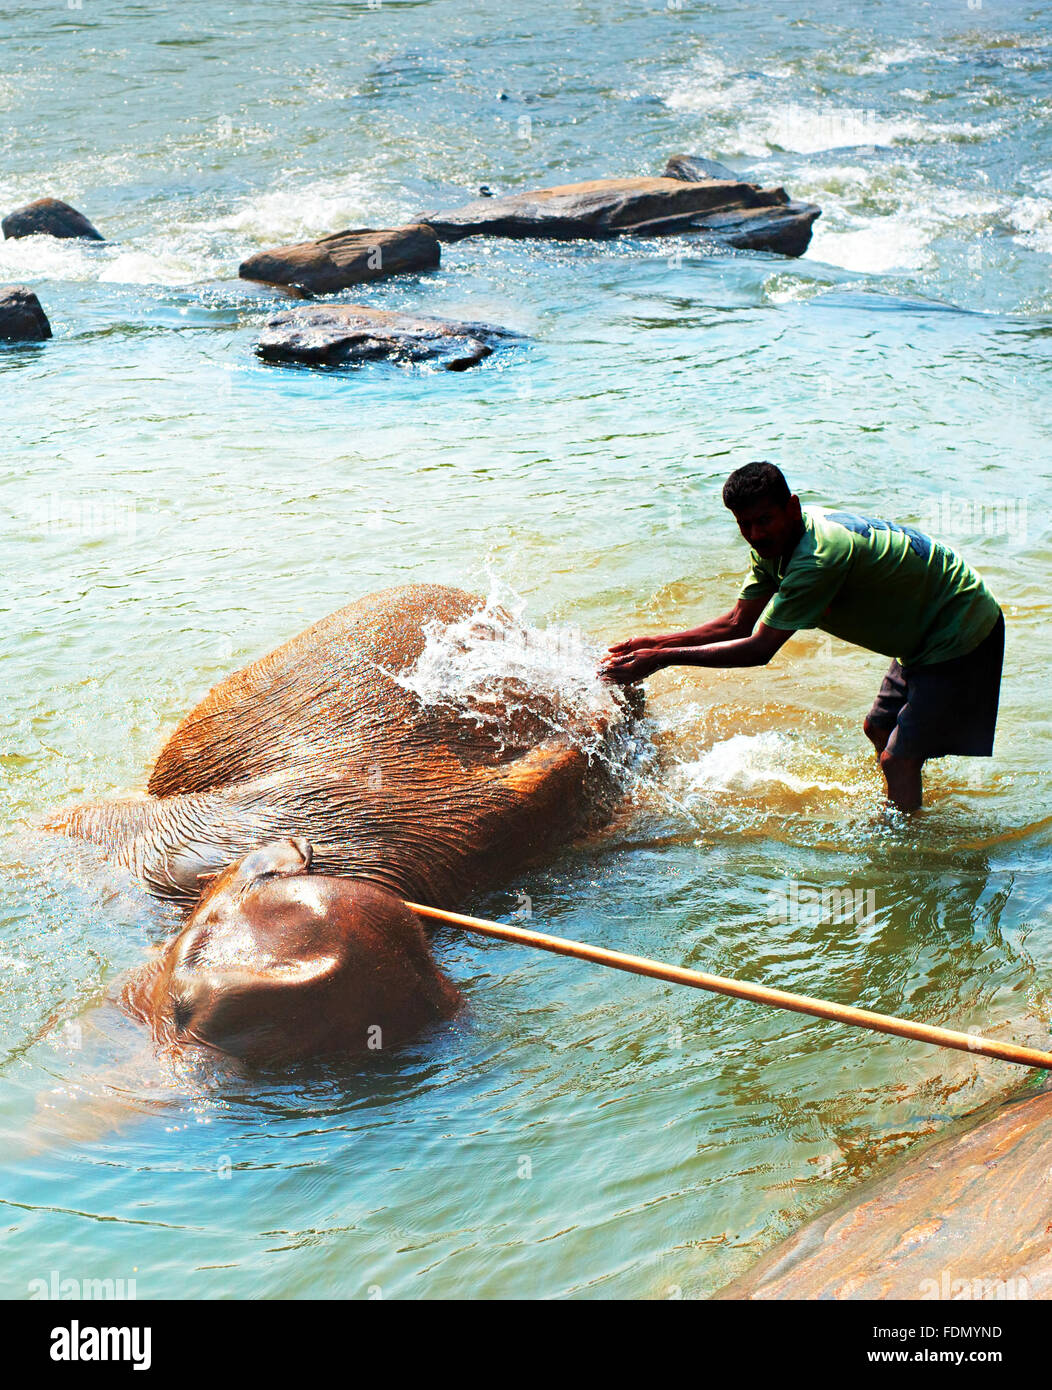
(949, 707)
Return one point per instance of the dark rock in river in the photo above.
(691, 168)
(737, 213)
(325, 335)
(49, 217)
(22, 320)
(345, 258)
(785, 229)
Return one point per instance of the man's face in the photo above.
(770, 528)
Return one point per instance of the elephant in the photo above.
(321, 738)
(277, 965)
(326, 742)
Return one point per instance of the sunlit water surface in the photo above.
(172, 508)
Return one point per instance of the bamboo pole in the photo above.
(740, 989)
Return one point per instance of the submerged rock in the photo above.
(967, 1217)
(345, 258)
(22, 320)
(738, 213)
(49, 217)
(326, 335)
(691, 168)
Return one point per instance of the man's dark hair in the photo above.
(755, 482)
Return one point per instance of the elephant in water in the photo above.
(326, 741)
(277, 964)
(321, 739)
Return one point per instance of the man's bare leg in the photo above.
(903, 776)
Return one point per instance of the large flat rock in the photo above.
(969, 1217)
(345, 258)
(735, 212)
(49, 217)
(22, 320)
(326, 335)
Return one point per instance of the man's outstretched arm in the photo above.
(739, 622)
(754, 650)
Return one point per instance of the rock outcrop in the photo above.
(969, 1217)
(49, 217)
(345, 258)
(22, 320)
(691, 168)
(737, 213)
(326, 335)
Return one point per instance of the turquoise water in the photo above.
(172, 508)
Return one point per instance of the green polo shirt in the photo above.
(885, 587)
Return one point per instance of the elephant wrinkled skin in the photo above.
(317, 739)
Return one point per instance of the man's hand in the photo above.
(739, 622)
(625, 667)
(757, 650)
(634, 644)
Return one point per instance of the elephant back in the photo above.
(320, 702)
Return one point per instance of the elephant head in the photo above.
(277, 964)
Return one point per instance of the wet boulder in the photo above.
(345, 258)
(784, 229)
(328, 335)
(732, 211)
(691, 168)
(22, 320)
(49, 217)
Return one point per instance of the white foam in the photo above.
(898, 242)
(880, 62)
(305, 212)
(758, 125)
(806, 130)
(145, 268)
(49, 258)
(491, 666)
(1032, 218)
(750, 762)
(710, 86)
(162, 260)
(850, 235)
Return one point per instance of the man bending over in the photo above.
(885, 587)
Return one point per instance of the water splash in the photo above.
(501, 673)
(750, 762)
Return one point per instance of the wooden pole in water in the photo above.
(739, 989)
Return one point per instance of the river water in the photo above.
(171, 508)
